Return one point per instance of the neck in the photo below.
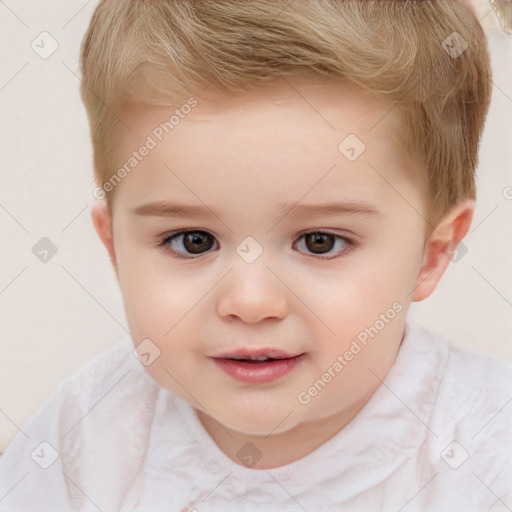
(276, 450)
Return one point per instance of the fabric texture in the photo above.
(436, 435)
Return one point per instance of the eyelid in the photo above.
(343, 233)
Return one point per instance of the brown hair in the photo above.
(412, 52)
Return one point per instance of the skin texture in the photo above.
(242, 155)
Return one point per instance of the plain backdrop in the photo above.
(56, 314)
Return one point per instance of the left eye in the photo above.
(186, 244)
(321, 243)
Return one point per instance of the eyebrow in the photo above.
(168, 209)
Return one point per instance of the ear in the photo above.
(102, 221)
(441, 247)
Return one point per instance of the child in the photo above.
(231, 138)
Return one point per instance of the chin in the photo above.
(256, 422)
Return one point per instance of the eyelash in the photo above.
(164, 243)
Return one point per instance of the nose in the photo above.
(252, 293)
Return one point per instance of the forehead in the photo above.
(310, 95)
(279, 138)
(305, 106)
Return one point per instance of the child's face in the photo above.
(238, 160)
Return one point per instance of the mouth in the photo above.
(256, 367)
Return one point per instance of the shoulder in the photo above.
(97, 370)
(108, 389)
(115, 373)
(475, 398)
(476, 379)
(466, 374)
(462, 392)
(97, 418)
(470, 428)
(111, 379)
(106, 377)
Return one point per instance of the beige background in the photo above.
(58, 314)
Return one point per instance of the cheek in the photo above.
(158, 308)
(153, 304)
(153, 299)
(356, 295)
(367, 304)
(391, 269)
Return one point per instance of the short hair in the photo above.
(428, 57)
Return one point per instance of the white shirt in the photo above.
(436, 435)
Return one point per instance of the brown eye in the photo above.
(188, 242)
(319, 243)
(197, 242)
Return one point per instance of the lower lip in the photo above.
(256, 373)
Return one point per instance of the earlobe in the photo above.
(102, 221)
(441, 246)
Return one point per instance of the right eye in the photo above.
(183, 244)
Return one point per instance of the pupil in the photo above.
(196, 243)
(319, 242)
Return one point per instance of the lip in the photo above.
(245, 353)
(258, 372)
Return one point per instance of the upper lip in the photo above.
(244, 353)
